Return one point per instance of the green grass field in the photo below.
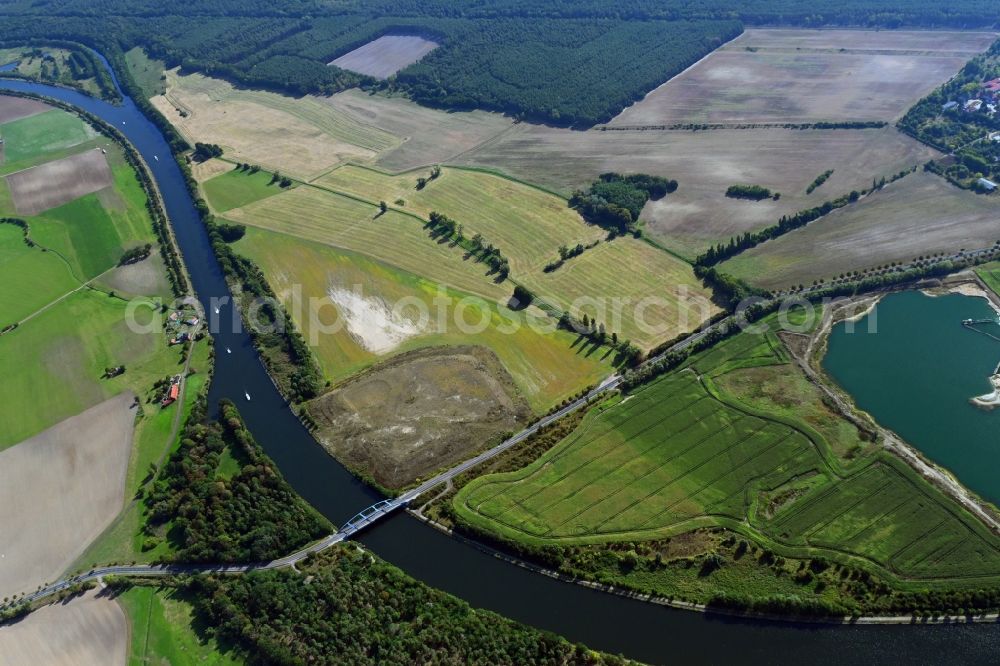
(163, 631)
(990, 275)
(235, 189)
(683, 452)
(53, 362)
(148, 73)
(546, 366)
(43, 133)
(30, 277)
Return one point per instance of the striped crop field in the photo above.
(527, 224)
(698, 448)
(607, 282)
(670, 456)
(394, 238)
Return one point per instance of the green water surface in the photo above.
(916, 373)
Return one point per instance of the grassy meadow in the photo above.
(92, 232)
(699, 448)
(53, 363)
(235, 189)
(546, 367)
(162, 630)
(147, 72)
(30, 277)
(54, 360)
(631, 272)
(42, 134)
(990, 275)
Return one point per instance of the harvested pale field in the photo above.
(142, 278)
(59, 490)
(907, 41)
(779, 78)
(429, 136)
(419, 412)
(302, 137)
(88, 630)
(527, 224)
(58, 182)
(705, 164)
(397, 239)
(208, 169)
(386, 55)
(919, 215)
(12, 108)
(637, 291)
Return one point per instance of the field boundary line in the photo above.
(82, 286)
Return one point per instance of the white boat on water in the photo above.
(247, 395)
(216, 310)
(156, 158)
(228, 350)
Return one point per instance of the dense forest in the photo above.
(572, 62)
(243, 511)
(347, 607)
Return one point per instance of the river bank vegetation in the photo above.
(332, 611)
(220, 499)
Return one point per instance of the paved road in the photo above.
(384, 508)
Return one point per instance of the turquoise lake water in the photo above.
(916, 374)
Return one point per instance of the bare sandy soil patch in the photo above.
(919, 215)
(12, 108)
(386, 55)
(705, 164)
(303, 137)
(429, 136)
(419, 412)
(59, 489)
(54, 183)
(89, 630)
(785, 76)
(376, 326)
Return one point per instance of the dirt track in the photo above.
(58, 490)
(86, 631)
